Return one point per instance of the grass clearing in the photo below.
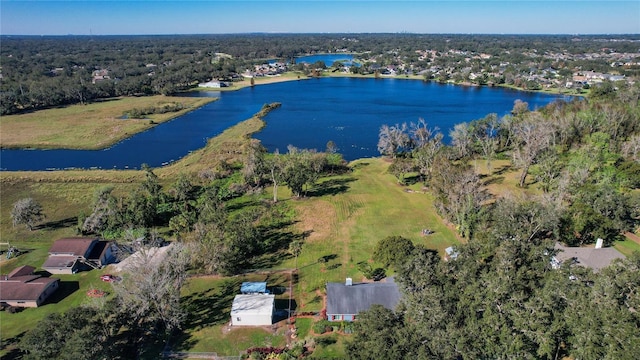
(97, 125)
(344, 224)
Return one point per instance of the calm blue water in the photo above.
(345, 110)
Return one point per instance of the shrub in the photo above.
(322, 326)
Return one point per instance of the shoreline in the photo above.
(296, 76)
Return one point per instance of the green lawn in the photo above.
(92, 126)
(344, 224)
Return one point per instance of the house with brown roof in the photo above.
(70, 255)
(23, 288)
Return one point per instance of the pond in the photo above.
(347, 111)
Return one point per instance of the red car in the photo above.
(109, 278)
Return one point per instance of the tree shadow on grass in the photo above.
(211, 307)
(502, 169)
(11, 345)
(206, 308)
(331, 187)
(58, 224)
(492, 180)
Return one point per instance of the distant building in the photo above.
(252, 310)
(23, 288)
(346, 300)
(211, 84)
(596, 258)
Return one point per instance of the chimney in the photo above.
(599, 243)
(349, 282)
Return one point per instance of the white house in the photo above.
(211, 84)
(252, 310)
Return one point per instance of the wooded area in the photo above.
(40, 72)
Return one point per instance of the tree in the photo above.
(255, 165)
(458, 195)
(183, 188)
(27, 211)
(379, 333)
(428, 143)
(393, 139)
(400, 167)
(461, 139)
(103, 210)
(150, 289)
(275, 165)
(331, 148)
(485, 135)
(392, 251)
(76, 334)
(532, 135)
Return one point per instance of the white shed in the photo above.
(252, 310)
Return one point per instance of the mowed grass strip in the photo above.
(96, 125)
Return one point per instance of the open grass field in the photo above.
(96, 125)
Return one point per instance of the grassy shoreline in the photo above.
(94, 126)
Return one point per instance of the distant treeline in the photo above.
(39, 72)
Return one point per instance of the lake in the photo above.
(347, 111)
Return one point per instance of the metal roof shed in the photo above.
(252, 310)
(253, 288)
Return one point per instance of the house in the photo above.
(346, 300)
(211, 84)
(23, 288)
(70, 255)
(252, 310)
(596, 258)
(254, 288)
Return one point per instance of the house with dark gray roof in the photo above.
(70, 255)
(23, 288)
(596, 258)
(346, 300)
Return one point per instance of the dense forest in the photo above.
(40, 72)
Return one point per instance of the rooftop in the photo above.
(588, 256)
(77, 246)
(254, 304)
(352, 299)
(253, 287)
(21, 285)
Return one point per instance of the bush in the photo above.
(322, 326)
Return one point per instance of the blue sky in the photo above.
(35, 17)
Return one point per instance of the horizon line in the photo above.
(327, 33)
